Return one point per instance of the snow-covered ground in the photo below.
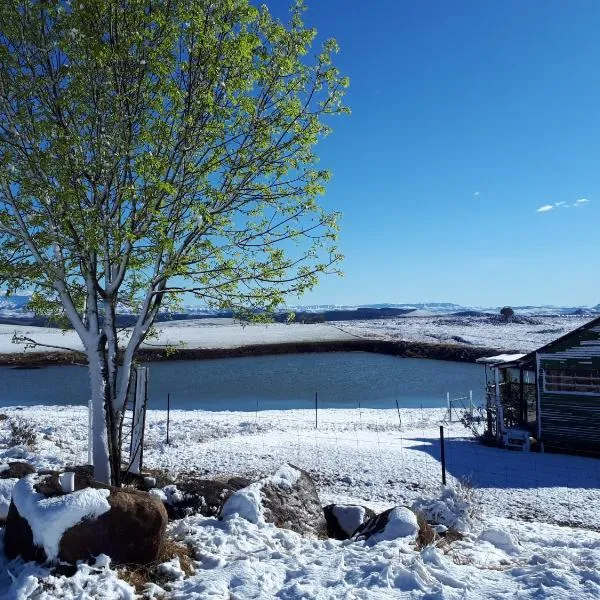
(199, 333)
(535, 533)
(524, 334)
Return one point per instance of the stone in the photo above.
(287, 499)
(130, 532)
(201, 496)
(344, 519)
(394, 523)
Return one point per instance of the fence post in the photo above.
(449, 406)
(443, 454)
(471, 404)
(399, 417)
(316, 410)
(168, 415)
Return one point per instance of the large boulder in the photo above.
(198, 496)
(344, 519)
(45, 524)
(287, 499)
(394, 523)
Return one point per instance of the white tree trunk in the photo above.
(101, 455)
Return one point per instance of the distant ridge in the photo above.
(14, 311)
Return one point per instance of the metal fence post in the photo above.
(443, 454)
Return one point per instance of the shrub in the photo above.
(22, 433)
(507, 312)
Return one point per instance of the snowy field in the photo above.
(524, 334)
(199, 333)
(534, 534)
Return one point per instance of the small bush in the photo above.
(22, 433)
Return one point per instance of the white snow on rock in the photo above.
(50, 517)
(6, 489)
(349, 517)
(401, 523)
(247, 502)
(285, 477)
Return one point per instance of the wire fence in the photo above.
(393, 455)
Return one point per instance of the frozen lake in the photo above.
(342, 380)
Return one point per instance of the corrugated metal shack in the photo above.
(552, 393)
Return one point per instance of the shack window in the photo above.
(572, 381)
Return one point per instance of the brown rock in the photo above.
(131, 532)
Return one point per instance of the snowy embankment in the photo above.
(533, 527)
(524, 334)
(192, 334)
(487, 331)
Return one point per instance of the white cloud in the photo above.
(545, 208)
(581, 201)
(476, 194)
(557, 204)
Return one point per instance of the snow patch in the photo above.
(501, 539)
(171, 569)
(49, 518)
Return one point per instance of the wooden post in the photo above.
(443, 454)
(316, 410)
(137, 436)
(471, 403)
(449, 406)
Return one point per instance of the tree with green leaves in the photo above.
(151, 148)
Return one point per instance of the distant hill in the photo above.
(14, 311)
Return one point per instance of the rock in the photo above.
(397, 522)
(130, 530)
(287, 499)
(18, 538)
(200, 496)
(344, 519)
(16, 470)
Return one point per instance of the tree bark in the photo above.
(99, 387)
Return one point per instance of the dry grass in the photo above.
(426, 535)
(138, 576)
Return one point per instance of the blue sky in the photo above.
(467, 117)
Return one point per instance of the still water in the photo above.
(341, 379)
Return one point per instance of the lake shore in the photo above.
(406, 349)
